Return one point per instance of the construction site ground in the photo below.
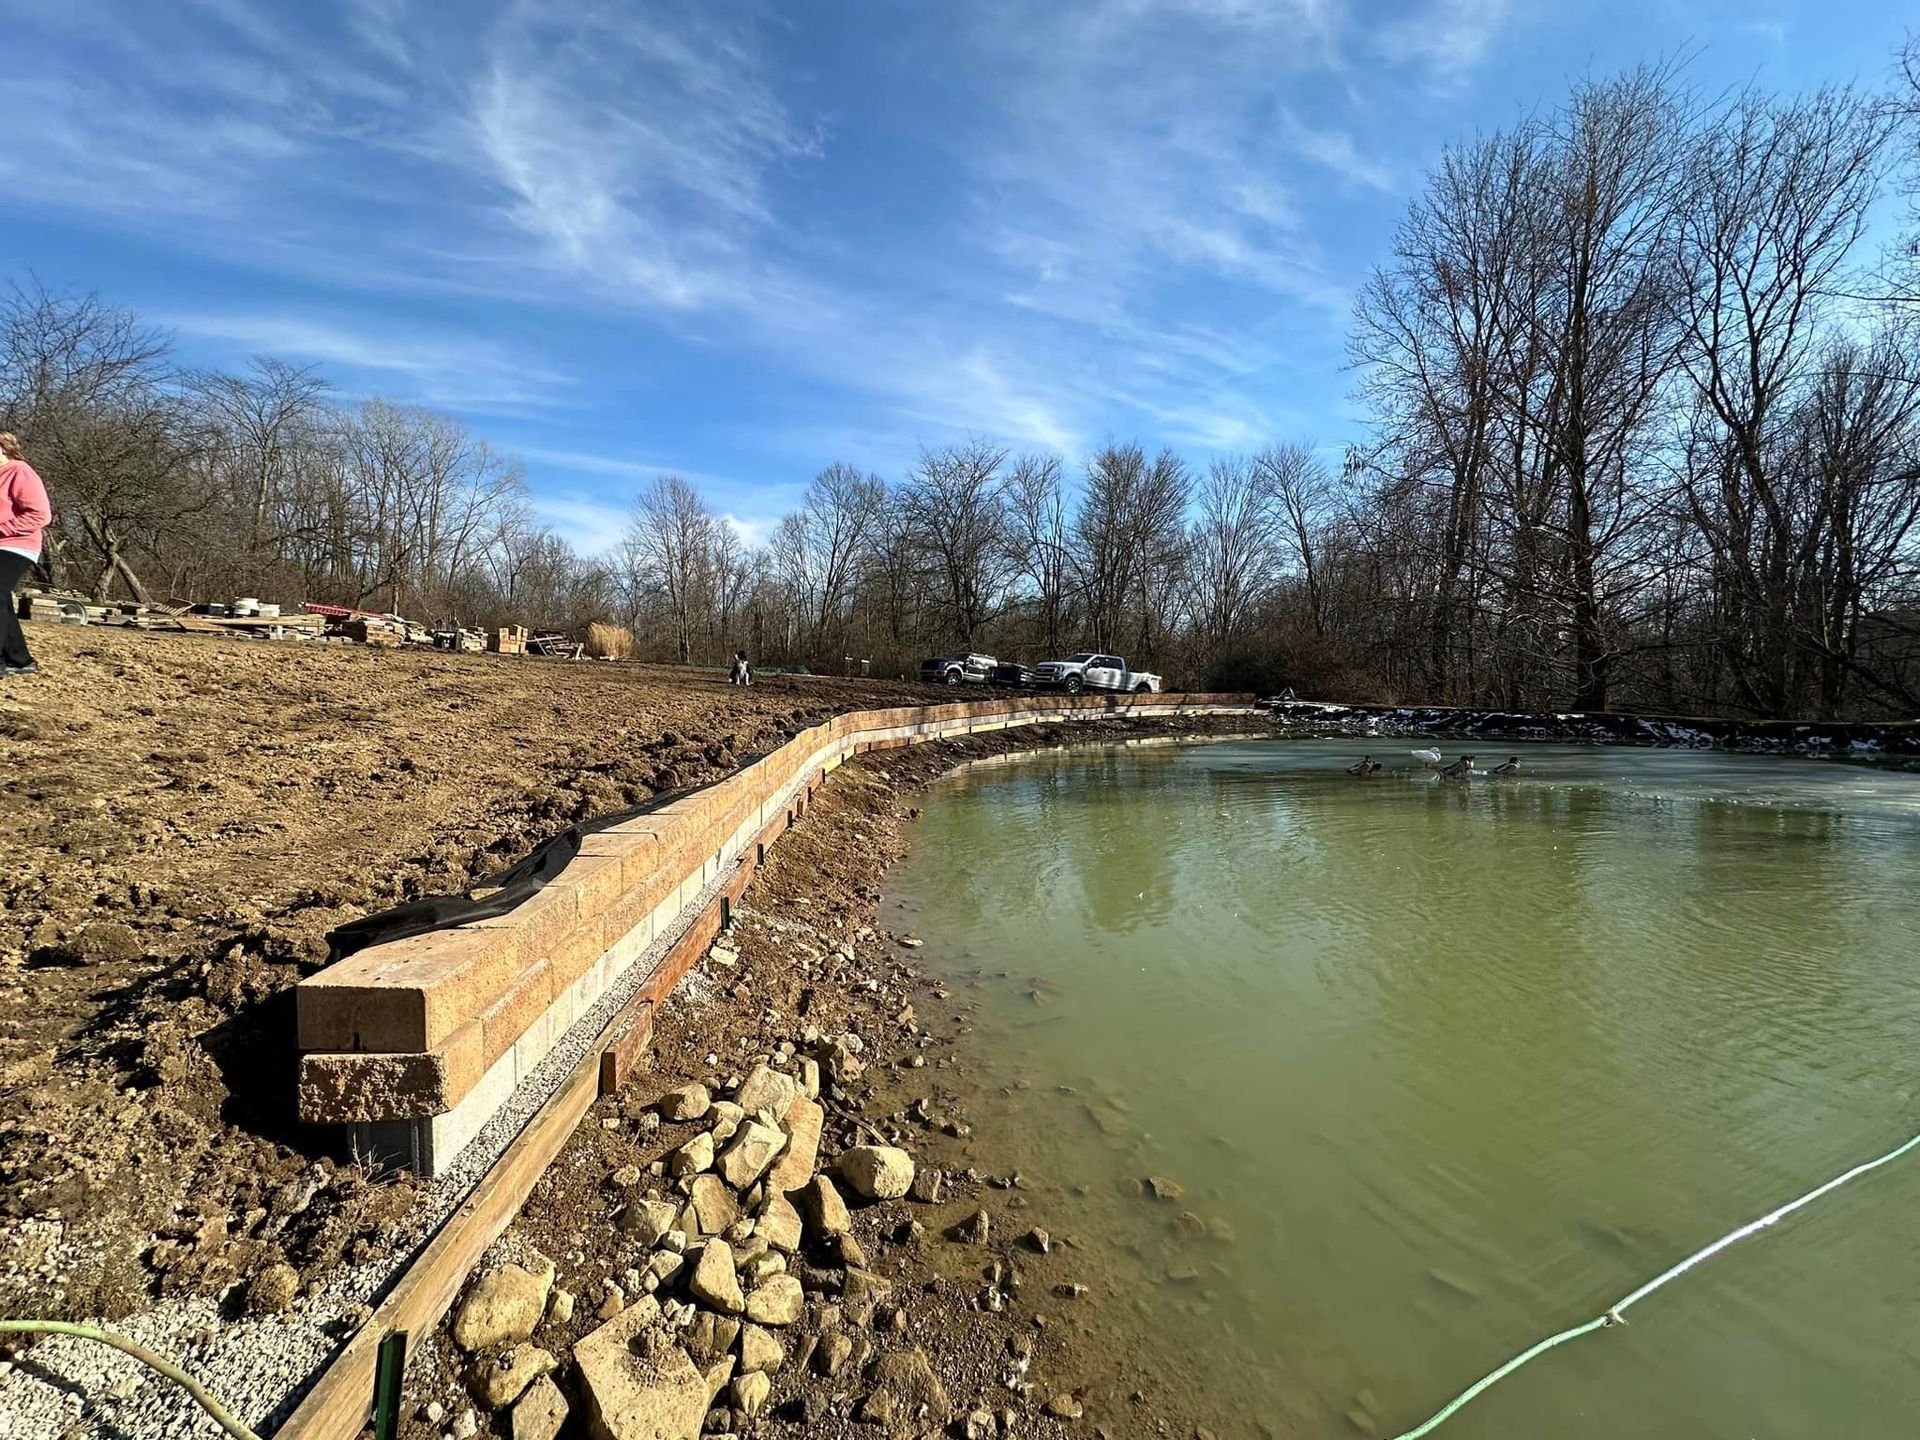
(186, 819)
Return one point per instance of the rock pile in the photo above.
(744, 1269)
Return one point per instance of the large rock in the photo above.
(879, 1172)
(906, 1393)
(760, 1349)
(694, 1156)
(804, 1121)
(498, 1380)
(777, 1301)
(503, 1306)
(723, 1120)
(688, 1102)
(766, 1089)
(713, 1204)
(710, 1336)
(714, 1282)
(750, 1393)
(638, 1384)
(540, 1412)
(647, 1220)
(826, 1212)
(779, 1224)
(751, 1154)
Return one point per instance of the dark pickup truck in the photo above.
(968, 669)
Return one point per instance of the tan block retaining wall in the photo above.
(417, 1043)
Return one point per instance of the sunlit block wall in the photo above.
(418, 1043)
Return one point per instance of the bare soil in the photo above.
(187, 818)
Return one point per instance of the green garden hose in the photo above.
(1616, 1315)
(146, 1357)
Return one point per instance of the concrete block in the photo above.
(576, 951)
(533, 1045)
(450, 1133)
(525, 1002)
(595, 880)
(637, 852)
(538, 923)
(628, 948)
(407, 996)
(337, 1088)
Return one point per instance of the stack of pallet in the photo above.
(508, 640)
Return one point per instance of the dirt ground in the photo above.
(186, 818)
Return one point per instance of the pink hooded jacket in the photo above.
(24, 510)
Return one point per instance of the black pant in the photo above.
(13, 645)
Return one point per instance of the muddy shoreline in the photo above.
(1017, 1335)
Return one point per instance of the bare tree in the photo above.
(1300, 493)
(1038, 531)
(668, 554)
(84, 381)
(1778, 201)
(1128, 539)
(955, 509)
(1233, 552)
(827, 545)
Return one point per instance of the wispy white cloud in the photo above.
(591, 526)
(1127, 229)
(1337, 150)
(451, 370)
(618, 467)
(752, 532)
(636, 154)
(1446, 39)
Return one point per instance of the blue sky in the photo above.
(741, 241)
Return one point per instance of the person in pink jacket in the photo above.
(24, 515)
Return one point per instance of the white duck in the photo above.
(1432, 757)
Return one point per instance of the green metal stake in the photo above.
(388, 1370)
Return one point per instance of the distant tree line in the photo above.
(1646, 421)
(1643, 432)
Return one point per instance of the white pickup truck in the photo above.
(1094, 672)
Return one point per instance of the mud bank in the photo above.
(1011, 1319)
(1861, 740)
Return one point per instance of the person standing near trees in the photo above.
(24, 514)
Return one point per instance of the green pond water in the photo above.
(1443, 1067)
